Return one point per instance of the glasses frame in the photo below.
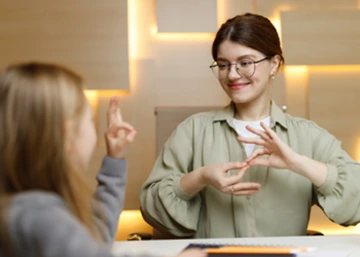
(214, 64)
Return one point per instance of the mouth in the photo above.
(238, 85)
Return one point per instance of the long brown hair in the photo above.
(36, 101)
(251, 30)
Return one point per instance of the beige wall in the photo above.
(171, 69)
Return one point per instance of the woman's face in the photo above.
(246, 87)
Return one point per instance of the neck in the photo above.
(252, 111)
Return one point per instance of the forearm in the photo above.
(193, 182)
(315, 171)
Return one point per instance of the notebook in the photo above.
(222, 250)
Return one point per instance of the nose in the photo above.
(233, 74)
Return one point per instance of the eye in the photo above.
(223, 66)
(245, 63)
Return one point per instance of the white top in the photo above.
(243, 132)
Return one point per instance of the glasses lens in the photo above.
(245, 67)
(221, 71)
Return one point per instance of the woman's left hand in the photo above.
(119, 134)
(280, 155)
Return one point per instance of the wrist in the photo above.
(296, 164)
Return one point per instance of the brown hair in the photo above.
(251, 30)
(36, 101)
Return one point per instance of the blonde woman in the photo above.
(47, 138)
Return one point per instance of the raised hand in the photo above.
(217, 176)
(280, 155)
(119, 134)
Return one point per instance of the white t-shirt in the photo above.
(240, 127)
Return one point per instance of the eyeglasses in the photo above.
(244, 67)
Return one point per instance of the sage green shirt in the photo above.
(280, 208)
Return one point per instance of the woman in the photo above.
(47, 138)
(249, 170)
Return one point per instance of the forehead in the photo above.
(232, 51)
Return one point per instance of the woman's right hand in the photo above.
(217, 176)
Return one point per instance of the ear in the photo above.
(275, 64)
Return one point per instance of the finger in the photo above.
(236, 178)
(259, 162)
(258, 132)
(256, 153)
(113, 129)
(268, 130)
(113, 112)
(246, 186)
(233, 165)
(245, 192)
(131, 136)
(256, 141)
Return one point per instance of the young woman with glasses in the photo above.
(249, 170)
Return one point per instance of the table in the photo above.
(344, 243)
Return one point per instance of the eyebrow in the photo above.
(239, 58)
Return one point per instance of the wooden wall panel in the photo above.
(326, 37)
(230, 8)
(88, 36)
(186, 16)
(333, 103)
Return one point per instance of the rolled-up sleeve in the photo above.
(339, 196)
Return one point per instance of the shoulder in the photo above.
(201, 118)
(35, 200)
(36, 210)
(298, 123)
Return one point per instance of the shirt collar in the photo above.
(227, 113)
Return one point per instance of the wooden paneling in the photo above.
(186, 16)
(230, 8)
(333, 103)
(326, 37)
(88, 36)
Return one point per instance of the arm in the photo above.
(334, 174)
(339, 195)
(164, 204)
(111, 193)
(112, 176)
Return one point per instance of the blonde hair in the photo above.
(36, 101)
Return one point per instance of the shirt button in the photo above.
(248, 198)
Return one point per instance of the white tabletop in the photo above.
(324, 245)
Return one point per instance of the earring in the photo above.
(272, 76)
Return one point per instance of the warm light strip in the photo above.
(357, 155)
(334, 68)
(276, 21)
(221, 7)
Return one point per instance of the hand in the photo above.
(217, 176)
(280, 155)
(195, 252)
(119, 134)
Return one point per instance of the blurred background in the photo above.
(156, 53)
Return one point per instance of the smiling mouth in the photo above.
(237, 86)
